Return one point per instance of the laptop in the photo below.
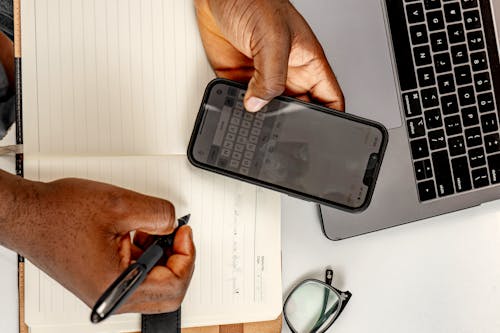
(429, 71)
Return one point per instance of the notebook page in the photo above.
(236, 231)
(111, 77)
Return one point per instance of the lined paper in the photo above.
(111, 77)
(236, 229)
(111, 89)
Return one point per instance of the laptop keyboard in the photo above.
(449, 74)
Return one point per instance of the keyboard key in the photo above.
(419, 149)
(242, 140)
(494, 164)
(479, 61)
(426, 190)
(492, 143)
(411, 104)
(253, 139)
(244, 171)
(463, 75)
(459, 54)
(461, 175)
(470, 116)
(480, 178)
(243, 132)
(489, 122)
(433, 118)
(439, 42)
(432, 4)
(437, 140)
(246, 124)
(237, 156)
(449, 104)
(475, 40)
(477, 157)
(435, 20)
(233, 129)
(234, 164)
(423, 169)
(456, 33)
(251, 147)
(482, 82)
(456, 145)
(418, 34)
(472, 20)
(452, 12)
(226, 153)
(415, 13)
(486, 102)
(426, 76)
(422, 55)
(453, 125)
(466, 95)
(430, 98)
(467, 4)
(255, 131)
(228, 145)
(248, 155)
(416, 128)
(246, 163)
(237, 113)
(442, 172)
(239, 147)
(442, 62)
(473, 137)
(248, 116)
(446, 83)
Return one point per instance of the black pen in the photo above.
(120, 290)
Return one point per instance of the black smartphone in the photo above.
(301, 149)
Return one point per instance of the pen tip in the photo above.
(95, 318)
(185, 219)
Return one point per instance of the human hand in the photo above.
(269, 44)
(77, 231)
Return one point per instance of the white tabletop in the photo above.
(438, 275)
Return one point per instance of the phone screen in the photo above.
(290, 146)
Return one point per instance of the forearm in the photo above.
(16, 205)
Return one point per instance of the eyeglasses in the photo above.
(313, 305)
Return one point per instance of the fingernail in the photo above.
(254, 104)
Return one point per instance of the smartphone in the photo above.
(301, 149)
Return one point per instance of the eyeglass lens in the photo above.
(311, 307)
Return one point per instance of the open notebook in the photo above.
(111, 89)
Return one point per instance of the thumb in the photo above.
(270, 55)
(150, 215)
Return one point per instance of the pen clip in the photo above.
(118, 292)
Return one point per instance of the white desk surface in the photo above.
(438, 275)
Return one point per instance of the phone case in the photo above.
(281, 189)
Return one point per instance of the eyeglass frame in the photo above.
(343, 296)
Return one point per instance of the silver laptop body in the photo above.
(356, 37)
